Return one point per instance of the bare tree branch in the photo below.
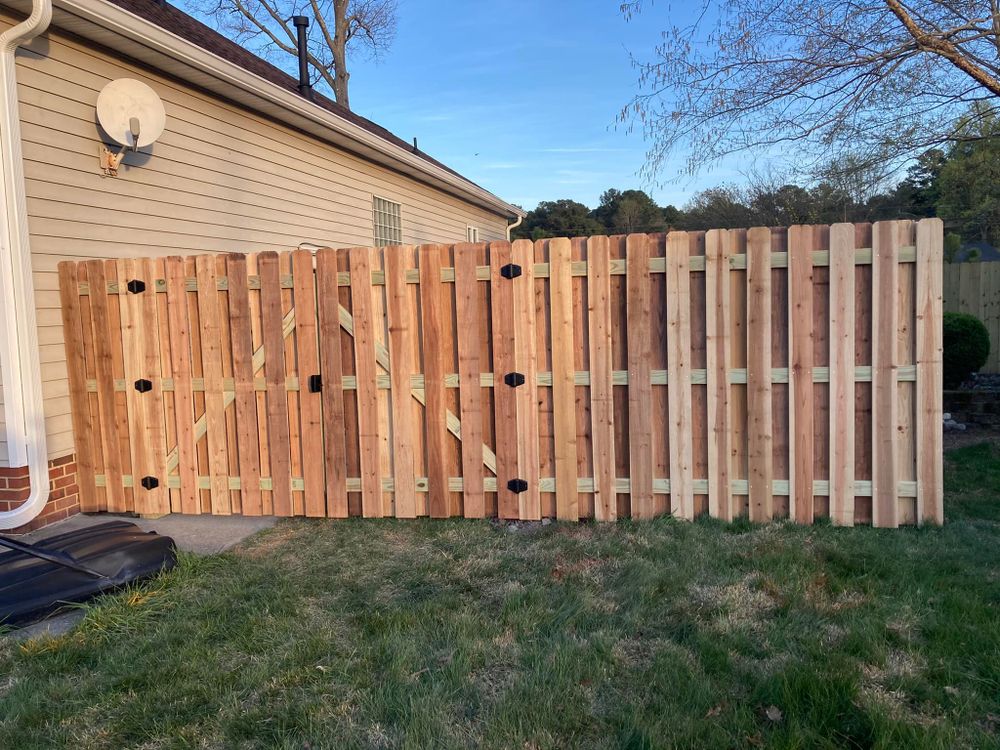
(266, 27)
(815, 79)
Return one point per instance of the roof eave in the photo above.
(118, 29)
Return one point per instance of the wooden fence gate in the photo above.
(765, 372)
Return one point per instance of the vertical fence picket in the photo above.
(143, 430)
(99, 499)
(402, 330)
(504, 397)
(211, 354)
(243, 376)
(180, 362)
(158, 499)
(274, 376)
(310, 398)
(104, 358)
(367, 389)
(432, 312)
(842, 386)
(885, 292)
(76, 366)
(235, 500)
(525, 362)
(640, 426)
(679, 374)
(331, 367)
(801, 443)
(930, 490)
(563, 380)
(469, 332)
(759, 407)
(602, 405)
(718, 248)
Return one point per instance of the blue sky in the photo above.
(522, 96)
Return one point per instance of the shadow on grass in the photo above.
(461, 634)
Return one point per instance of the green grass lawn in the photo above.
(461, 634)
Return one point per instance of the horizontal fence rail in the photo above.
(766, 373)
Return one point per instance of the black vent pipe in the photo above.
(301, 24)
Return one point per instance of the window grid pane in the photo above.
(387, 221)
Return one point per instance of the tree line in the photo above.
(960, 184)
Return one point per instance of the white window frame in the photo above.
(471, 233)
(387, 221)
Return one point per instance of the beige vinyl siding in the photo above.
(220, 179)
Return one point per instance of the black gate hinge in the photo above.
(517, 486)
(510, 271)
(143, 386)
(136, 286)
(513, 379)
(315, 383)
(150, 483)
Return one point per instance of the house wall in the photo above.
(220, 179)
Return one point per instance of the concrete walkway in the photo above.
(202, 535)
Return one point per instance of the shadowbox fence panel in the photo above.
(974, 288)
(765, 372)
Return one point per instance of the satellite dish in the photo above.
(131, 113)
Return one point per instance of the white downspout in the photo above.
(512, 227)
(19, 361)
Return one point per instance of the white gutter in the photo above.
(19, 360)
(515, 225)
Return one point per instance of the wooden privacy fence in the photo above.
(975, 288)
(764, 372)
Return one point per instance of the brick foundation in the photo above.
(64, 493)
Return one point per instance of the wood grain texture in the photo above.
(310, 403)
(597, 329)
(247, 436)
(930, 472)
(801, 426)
(640, 427)
(470, 332)
(331, 366)
(367, 389)
(563, 380)
(76, 363)
(602, 409)
(885, 292)
(211, 357)
(504, 397)
(842, 385)
(181, 366)
(279, 438)
(759, 409)
(106, 333)
(718, 249)
(432, 319)
(679, 374)
(525, 362)
(402, 328)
